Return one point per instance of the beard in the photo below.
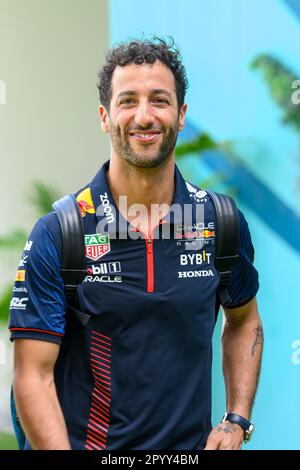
(147, 157)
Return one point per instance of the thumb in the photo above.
(212, 443)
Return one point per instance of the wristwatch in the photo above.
(246, 425)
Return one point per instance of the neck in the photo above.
(141, 185)
(146, 186)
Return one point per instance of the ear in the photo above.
(104, 119)
(182, 116)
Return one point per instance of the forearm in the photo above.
(242, 344)
(40, 413)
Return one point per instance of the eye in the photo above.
(127, 101)
(161, 100)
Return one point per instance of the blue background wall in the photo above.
(218, 40)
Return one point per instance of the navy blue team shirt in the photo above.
(134, 367)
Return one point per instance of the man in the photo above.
(133, 369)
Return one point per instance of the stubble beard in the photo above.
(146, 158)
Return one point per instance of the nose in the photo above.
(144, 117)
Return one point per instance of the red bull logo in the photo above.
(208, 233)
(85, 202)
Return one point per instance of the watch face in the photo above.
(249, 432)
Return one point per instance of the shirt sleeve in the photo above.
(38, 305)
(244, 283)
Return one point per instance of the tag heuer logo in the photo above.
(96, 246)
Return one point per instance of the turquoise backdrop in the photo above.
(231, 102)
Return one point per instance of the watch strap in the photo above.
(246, 425)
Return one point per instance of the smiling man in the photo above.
(145, 139)
(130, 366)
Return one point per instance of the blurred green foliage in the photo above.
(279, 80)
(8, 442)
(40, 198)
(202, 142)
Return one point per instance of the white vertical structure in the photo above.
(50, 131)
(2, 92)
(51, 52)
(2, 353)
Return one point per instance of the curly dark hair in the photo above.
(139, 51)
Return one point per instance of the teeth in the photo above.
(144, 136)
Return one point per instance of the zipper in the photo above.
(150, 256)
(150, 264)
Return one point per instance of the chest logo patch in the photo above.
(96, 246)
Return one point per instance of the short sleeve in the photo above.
(37, 307)
(244, 283)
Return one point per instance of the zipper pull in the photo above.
(149, 246)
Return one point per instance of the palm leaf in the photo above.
(41, 197)
(279, 80)
(14, 240)
(203, 142)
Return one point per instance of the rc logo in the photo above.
(17, 303)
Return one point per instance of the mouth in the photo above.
(145, 136)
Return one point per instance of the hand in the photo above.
(225, 436)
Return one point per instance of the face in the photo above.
(144, 120)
